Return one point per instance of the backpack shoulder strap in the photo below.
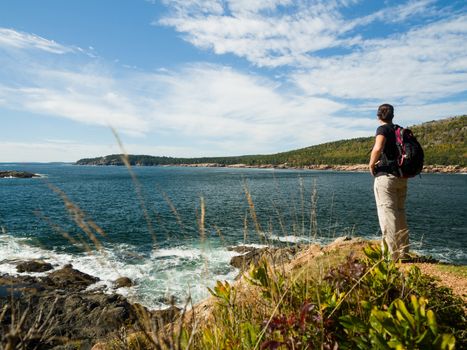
(399, 134)
(399, 131)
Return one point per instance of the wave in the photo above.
(180, 272)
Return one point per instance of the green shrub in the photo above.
(358, 304)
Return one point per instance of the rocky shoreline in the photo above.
(436, 168)
(63, 306)
(60, 308)
(444, 169)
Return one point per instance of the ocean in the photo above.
(171, 229)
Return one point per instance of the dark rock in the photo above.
(123, 282)
(254, 255)
(16, 287)
(60, 312)
(250, 257)
(33, 266)
(242, 249)
(167, 315)
(69, 278)
(75, 315)
(342, 239)
(17, 174)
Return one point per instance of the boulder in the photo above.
(252, 255)
(34, 266)
(245, 260)
(342, 239)
(69, 278)
(242, 249)
(123, 282)
(166, 316)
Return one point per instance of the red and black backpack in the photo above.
(410, 153)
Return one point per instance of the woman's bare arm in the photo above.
(376, 152)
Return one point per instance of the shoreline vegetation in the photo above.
(271, 305)
(444, 142)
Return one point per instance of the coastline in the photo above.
(362, 168)
(443, 169)
(90, 317)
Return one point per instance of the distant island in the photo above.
(17, 174)
(444, 142)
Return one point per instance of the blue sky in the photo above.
(220, 77)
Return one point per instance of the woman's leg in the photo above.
(402, 231)
(390, 195)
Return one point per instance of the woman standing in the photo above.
(390, 189)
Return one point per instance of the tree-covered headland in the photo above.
(444, 142)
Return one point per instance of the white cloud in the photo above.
(266, 38)
(103, 107)
(411, 114)
(264, 35)
(71, 151)
(424, 64)
(210, 105)
(215, 102)
(399, 13)
(10, 38)
(22, 151)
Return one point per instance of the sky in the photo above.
(191, 78)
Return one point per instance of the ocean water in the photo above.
(152, 225)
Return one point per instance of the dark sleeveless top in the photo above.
(388, 158)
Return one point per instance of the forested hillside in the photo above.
(444, 142)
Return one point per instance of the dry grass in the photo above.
(453, 277)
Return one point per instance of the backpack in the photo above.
(410, 153)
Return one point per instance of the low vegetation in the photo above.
(341, 298)
(357, 304)
(444, 142)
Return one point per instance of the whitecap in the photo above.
(182, 271)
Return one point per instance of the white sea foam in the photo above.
(183, 271)
(253, 245)
(291, 239)
(13, 250)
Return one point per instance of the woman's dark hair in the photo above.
(385, 112)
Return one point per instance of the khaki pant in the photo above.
(390, 194)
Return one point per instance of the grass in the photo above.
(460, 271)
(334, 301)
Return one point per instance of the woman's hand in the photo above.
(376, 153)
(372, 167)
